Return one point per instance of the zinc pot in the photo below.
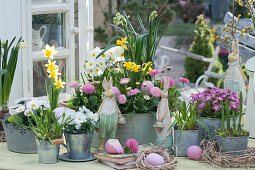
(47, 153)
(228, 144)
(78, 145)
(212, 124)
(138, 127)
(187, 139)
(19, 139)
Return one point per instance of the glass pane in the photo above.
(48, 29)
(40, 75)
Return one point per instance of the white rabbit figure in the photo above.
(163, 114)
(235, 78)
(109, 114)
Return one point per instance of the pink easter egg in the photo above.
(194, 152)
(154, 159)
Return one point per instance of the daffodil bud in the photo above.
(153, 16)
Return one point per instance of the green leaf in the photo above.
(139, 48)
(106, 48)
(127, 150)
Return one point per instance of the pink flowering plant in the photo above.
(87, 94)
(209, 102)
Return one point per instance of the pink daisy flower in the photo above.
(155, 91)
(154, 72)
(133, 145)
(184, 80)
(75, 84)
(146, 86)
(88, 89)
(171, 82)
(125, 80)
(122, 99)
(116, 91)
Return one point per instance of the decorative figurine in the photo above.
(109, 115)
(235, 77)
(250, 106)
(164, 117)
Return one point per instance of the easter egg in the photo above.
(194, 152)
(155, 159)
(113, 146)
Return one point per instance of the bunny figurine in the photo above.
(163, 114)
(109, 115)
(235, 78)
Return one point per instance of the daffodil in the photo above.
(122, 42)
(59, 83)
(54, 73)
(135, 67)
(49, 51)
(128, 65)
(51, 65)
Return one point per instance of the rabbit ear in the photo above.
(166, 83)
(110, 83)
(235, 46)
(105, 84)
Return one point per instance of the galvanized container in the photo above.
(78, 145)
(212, 124)
(19, 139)
(187, 139)
(227, 144)
(47, 153)
(138, 127)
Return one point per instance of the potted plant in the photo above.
(48, 129)
(79, 132)
(8, 62)
(17, 135)
(185, 128)
(209, 108)
(235, 138)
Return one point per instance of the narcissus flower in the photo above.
(59, 83)
(122, 42)
(128, 65)
(51, 65)
(49, 51)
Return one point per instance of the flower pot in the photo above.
(47, 153)
(78, 145)
(138, 127)
(187, 139)
(212, 124)
(19, 139)
(228, 144)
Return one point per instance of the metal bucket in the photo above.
(228, 144)
(138, 127)
(187, 139)
(78, 145)
(19, 139)
(212, 124)
(47, 153)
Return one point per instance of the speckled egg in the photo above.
(155, 159)
(194, 152)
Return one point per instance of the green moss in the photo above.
(231, 133)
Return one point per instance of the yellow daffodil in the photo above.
(128, 65)
(51, 65)
(122, 42)
(135, 68)
(54, 73)
(49, 51)
(59, 83)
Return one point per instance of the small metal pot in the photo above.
(187, 139)
(47, 153)
(78, 145)
(227, 144)
(19, 139)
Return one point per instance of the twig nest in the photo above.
(162, 160)
(194, 152)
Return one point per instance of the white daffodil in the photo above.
(20, 109)
(23, 44)
(119, 53)
(28, 112)
(94, 53)
(49, 51)
(146, 97)
(33, 104)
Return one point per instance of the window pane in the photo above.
(40, 75)
(48, 29)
